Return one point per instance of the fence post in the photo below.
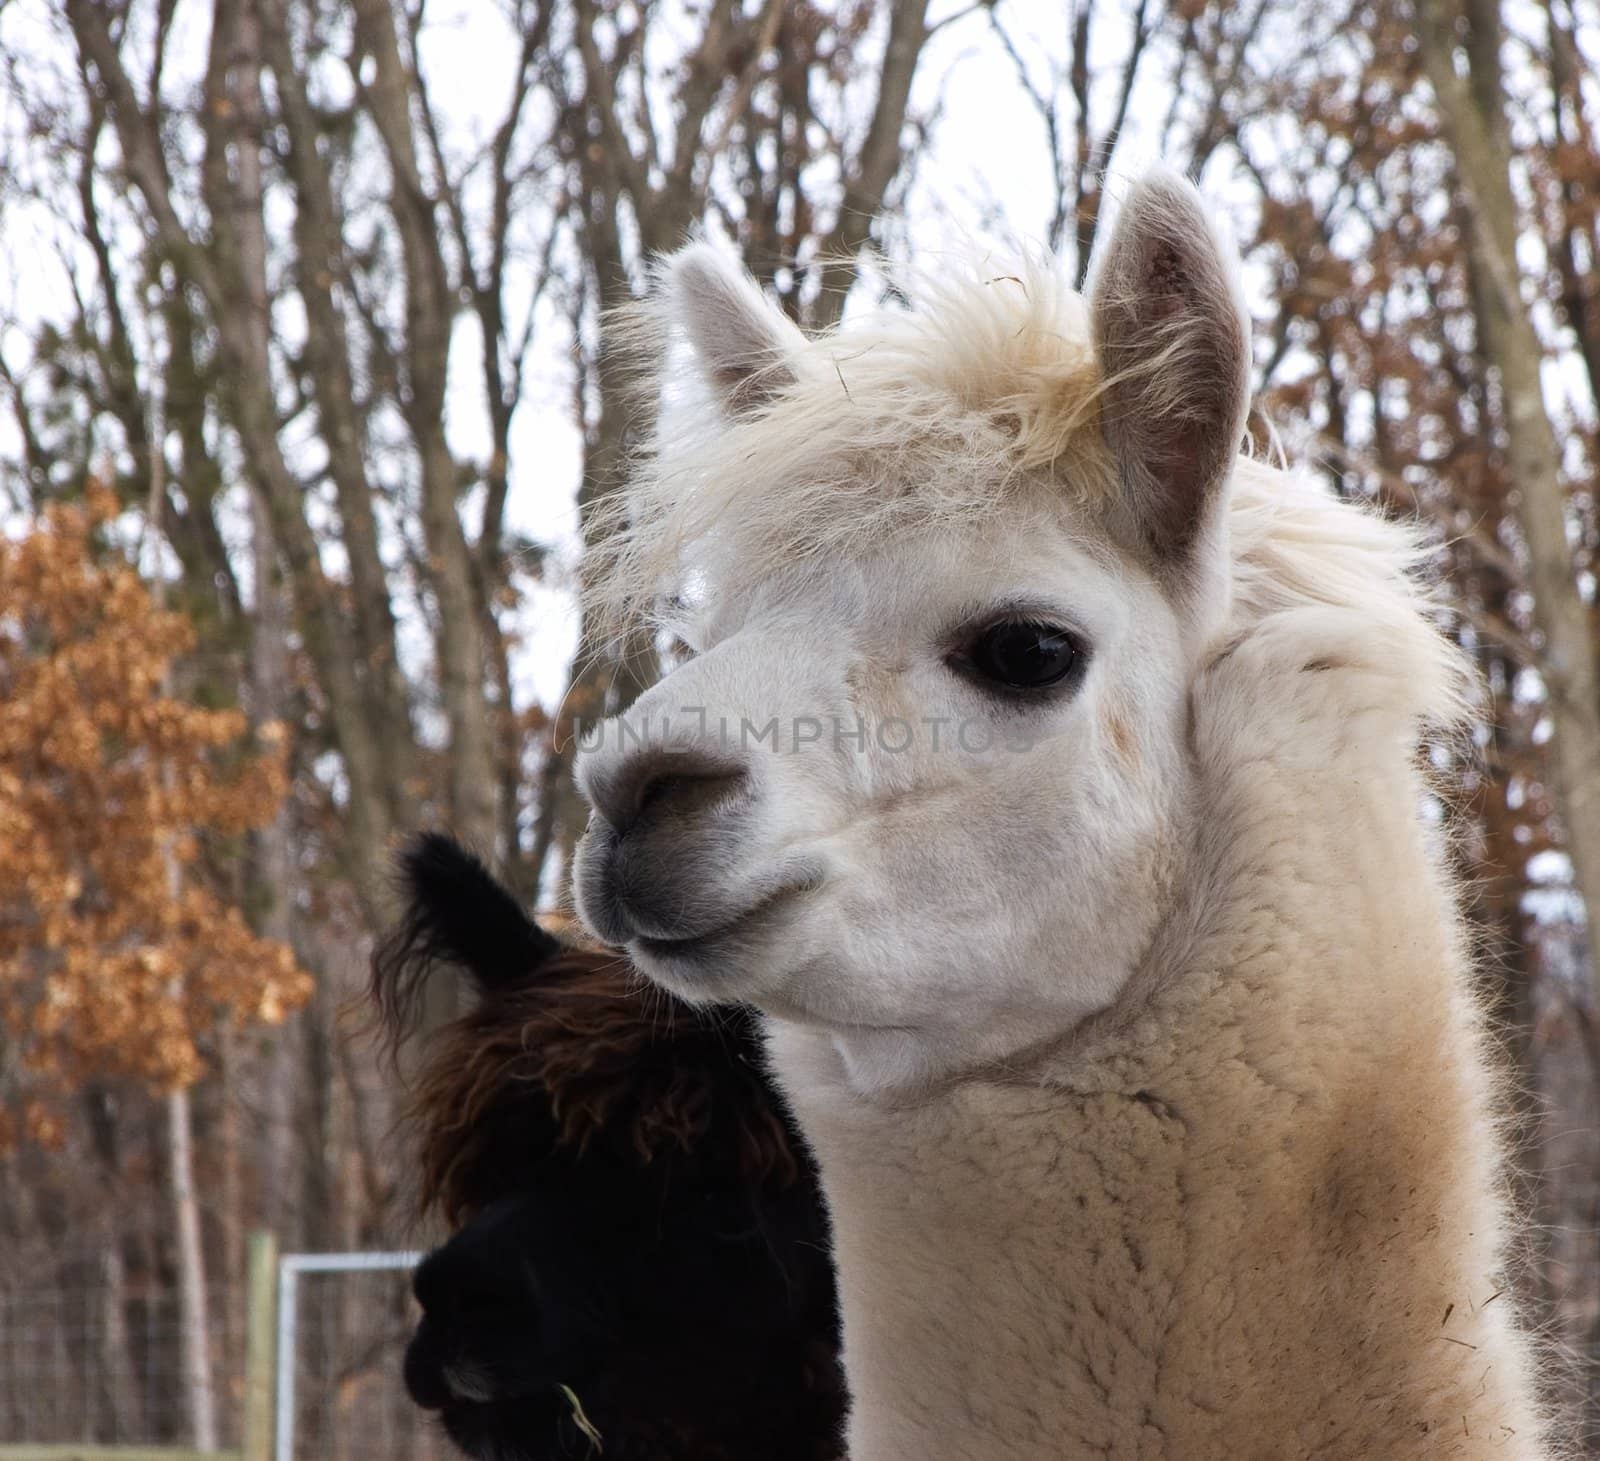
(260, 1346)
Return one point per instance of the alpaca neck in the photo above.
(1252, 1216)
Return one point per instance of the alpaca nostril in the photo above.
(664, 783)
(676, 796)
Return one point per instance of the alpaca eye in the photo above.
(1023, 655)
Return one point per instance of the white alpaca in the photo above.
(1124, 999)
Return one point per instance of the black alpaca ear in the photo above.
(456, 913)
(1173, 338)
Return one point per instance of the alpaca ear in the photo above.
(456, 913)
(1173, 338)
(744, 344)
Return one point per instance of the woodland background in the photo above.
(303, 404)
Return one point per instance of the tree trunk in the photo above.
(1474, 119)
(430, 305)
(229, 1148)
(275, 872)
(193, 1305)
(319, 244)
(121, 1410)
(877, 163)
(319, 1216)
(123, 1413)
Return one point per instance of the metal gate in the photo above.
(376, 1419)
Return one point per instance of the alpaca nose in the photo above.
(665, 784)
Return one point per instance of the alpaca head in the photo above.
(610, 1164)
(947, 578)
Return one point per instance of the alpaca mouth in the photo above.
(721, 941)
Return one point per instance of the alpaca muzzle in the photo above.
(667, 821)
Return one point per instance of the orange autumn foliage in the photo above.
(115, 957)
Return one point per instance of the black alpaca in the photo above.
(640, 1269)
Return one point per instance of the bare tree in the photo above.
(1472, 108)
(1080, 149)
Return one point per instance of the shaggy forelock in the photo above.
(908, 417)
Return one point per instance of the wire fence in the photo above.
(75, 1367)
(102, 1364)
